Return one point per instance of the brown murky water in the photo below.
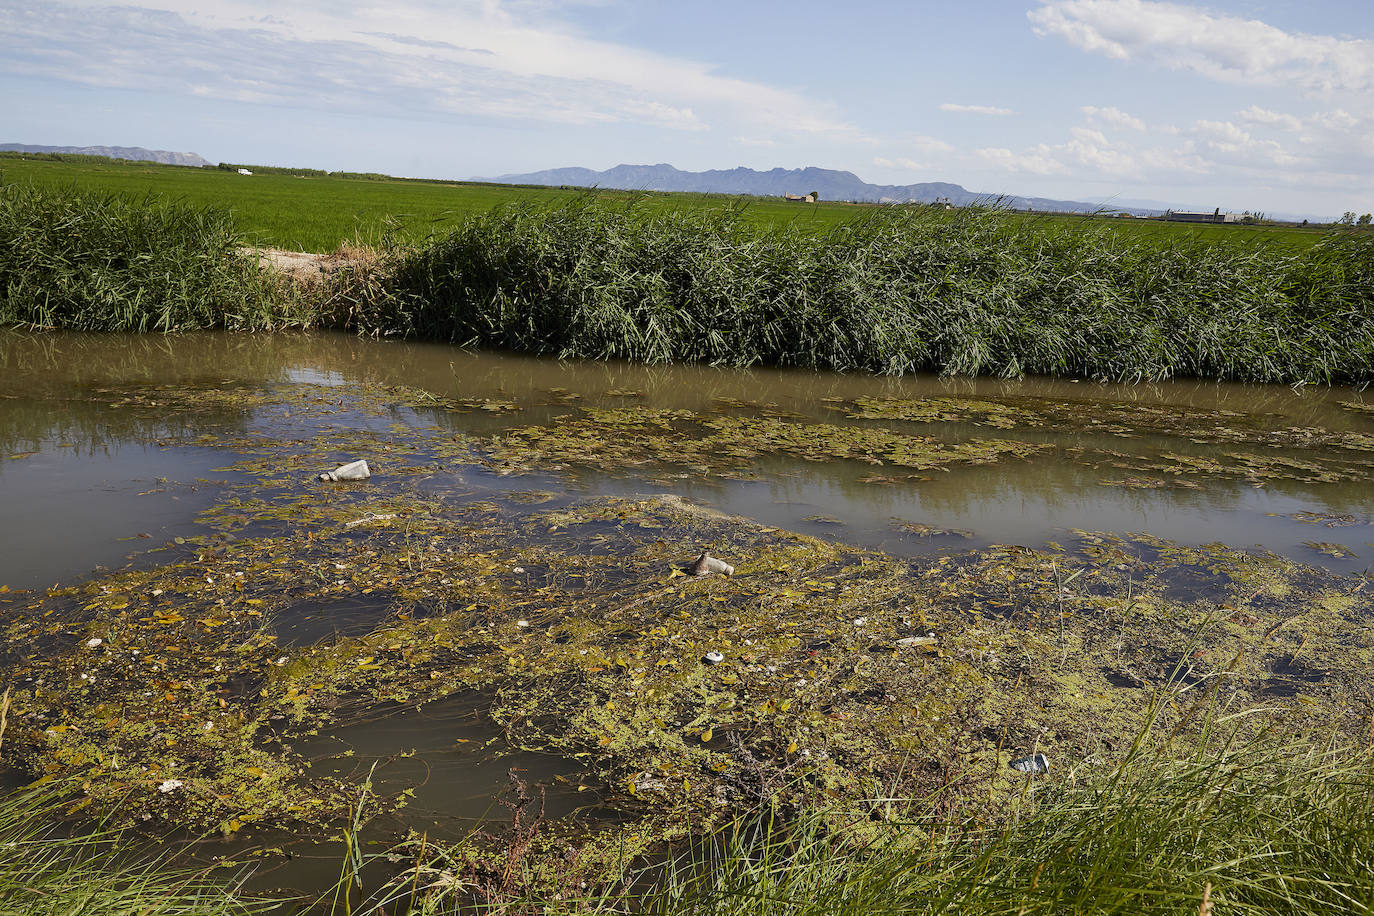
(81, 481)
(94, 476)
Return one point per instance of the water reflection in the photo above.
(82, 472)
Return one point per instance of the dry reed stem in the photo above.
(1206, 908)
(4, 714)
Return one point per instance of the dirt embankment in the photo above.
(308, 267)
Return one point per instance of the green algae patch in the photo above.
(818, 674)
(1123, 420)
(624, 438)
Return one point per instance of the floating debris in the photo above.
(706, 564)
(922, 530)
(1329, 519)
(1339, 551)
(926, 640)
(713, 657)
(169, 785)
(370, 517)
(354, 470)
(1035, 763)
(92, 643)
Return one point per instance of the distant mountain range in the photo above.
(136, 153)
(829, 183)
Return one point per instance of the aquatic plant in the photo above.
(895, 291)
(106, 262)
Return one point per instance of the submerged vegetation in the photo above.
(898, 290)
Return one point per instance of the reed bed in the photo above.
(898, 290)
(909, 289)
(106, 262)
(1255, 831)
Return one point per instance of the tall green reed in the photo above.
(911, 289)
(106, 262)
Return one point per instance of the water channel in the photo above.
(121, 456)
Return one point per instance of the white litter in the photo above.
(1035, 763)
(706, 564)
(354, 470)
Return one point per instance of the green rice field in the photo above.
(317, 213)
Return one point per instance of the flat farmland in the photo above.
(312, 212)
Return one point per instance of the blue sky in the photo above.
(1242, 104)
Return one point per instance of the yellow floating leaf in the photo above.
(707, 735)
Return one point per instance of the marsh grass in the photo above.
(48, 867)
(91, 261)
(911, 289)
(1254, 829)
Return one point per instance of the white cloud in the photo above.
(756, 141)
(1337, 120)
(1114, 116)
(481, 58)
(1257, 115)
(924, 144)
(1238, 146)
(1216, 45)
(975, 109)
(1037, 161)
(900, 162)
(1223, 135)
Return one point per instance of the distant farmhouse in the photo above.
(1190, 216)
(806, 199)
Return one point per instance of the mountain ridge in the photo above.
(132, 153)
(832, 184)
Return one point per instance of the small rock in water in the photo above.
(713, 657)
(706, 564)
(92, 643)
(354, 470)
(1035, 763)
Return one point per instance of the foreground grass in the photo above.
(1251, 830)
(1255, 832)
(45, 871)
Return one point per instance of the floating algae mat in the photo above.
(927, 584)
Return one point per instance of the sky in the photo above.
(1261, 105)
